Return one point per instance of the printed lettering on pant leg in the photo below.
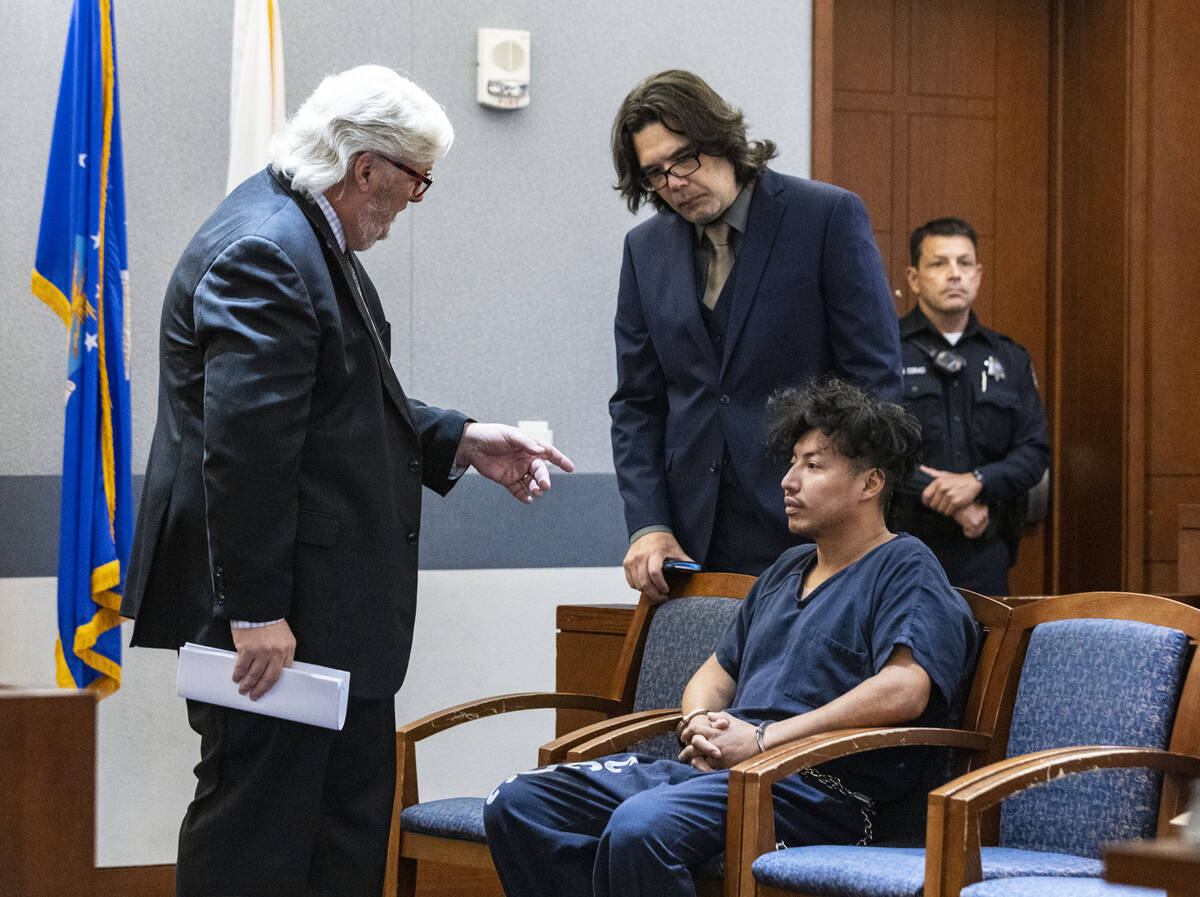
(614, 766)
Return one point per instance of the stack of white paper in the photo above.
(305, 693)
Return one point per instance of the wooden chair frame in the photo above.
(406, 849)
(960, 811)
(963, 814)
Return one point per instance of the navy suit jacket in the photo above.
(285, 474)
(809, 297)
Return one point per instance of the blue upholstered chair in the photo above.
(665, 645)
(1055, 886)
(1107, 669)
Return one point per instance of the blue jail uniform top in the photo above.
(789, 656)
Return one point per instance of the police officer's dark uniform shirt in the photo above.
(987, 418)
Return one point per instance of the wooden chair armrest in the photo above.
(638, 726)
(750, 829)
(970, 779)
(449, 717)
(786, 759)
(557, 751)
(407, 736)
(987, 786)
(953, 835)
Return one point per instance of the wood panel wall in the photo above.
(1129, 275)
(942, 107)
(1114, 324)
(1170, 122)
(1094, 496)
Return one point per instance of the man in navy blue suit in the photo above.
(746, 282)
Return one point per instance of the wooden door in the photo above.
(942, 107)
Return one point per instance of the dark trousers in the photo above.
(288, 810)
(633, 826)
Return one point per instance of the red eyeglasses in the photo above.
(426, 180)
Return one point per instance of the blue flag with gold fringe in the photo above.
(80, 272)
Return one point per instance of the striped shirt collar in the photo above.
(335, 223)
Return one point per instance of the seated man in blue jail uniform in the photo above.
(860, 628)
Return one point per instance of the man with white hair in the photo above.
(282, 499)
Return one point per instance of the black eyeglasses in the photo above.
(425, 179)
(656, 180)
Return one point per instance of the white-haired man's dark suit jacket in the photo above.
(284, 482)
(285, 474)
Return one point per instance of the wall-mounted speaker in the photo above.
(502, 64)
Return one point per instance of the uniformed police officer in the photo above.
(984, 428)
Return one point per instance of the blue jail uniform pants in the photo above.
(631, 825)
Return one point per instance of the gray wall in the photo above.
(500, 285)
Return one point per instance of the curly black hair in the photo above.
(868, 431)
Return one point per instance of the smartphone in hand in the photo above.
(675, 565)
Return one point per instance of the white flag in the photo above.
(256, 104)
